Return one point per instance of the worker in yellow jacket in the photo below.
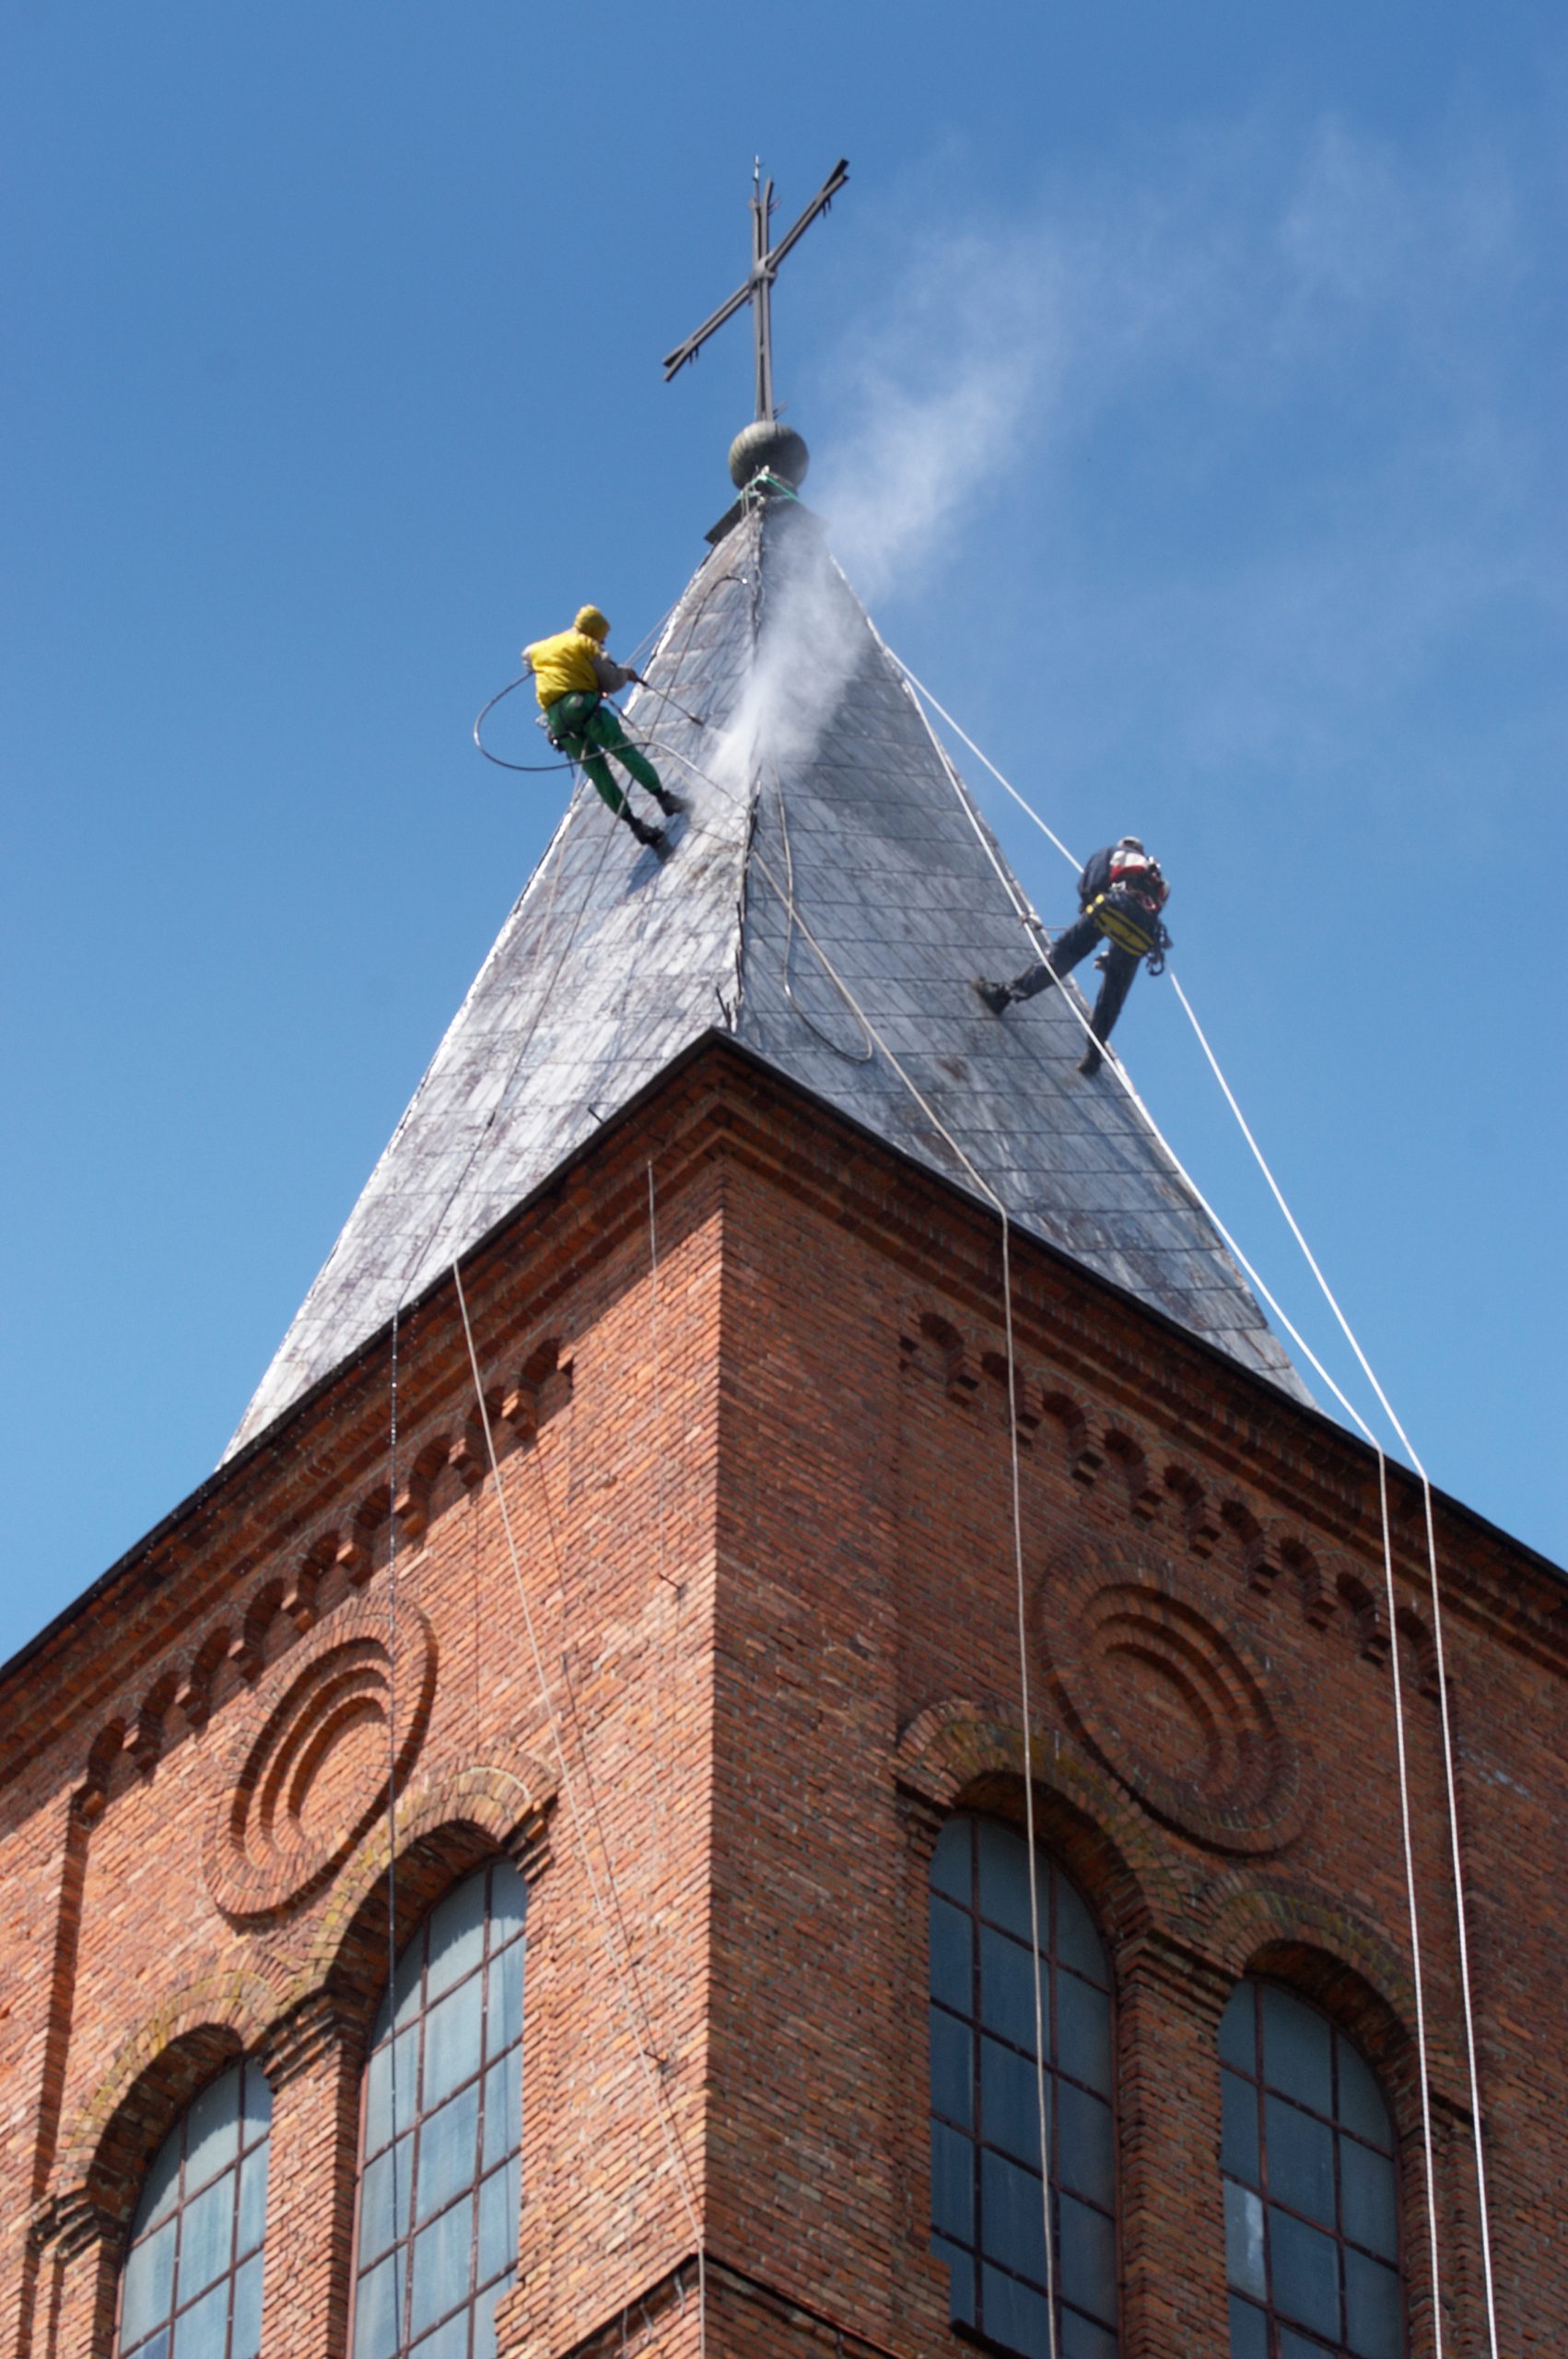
(572, 677)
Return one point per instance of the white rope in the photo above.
(1070, 858)
(1408, 1839)
(986, 1190)
(665, 1770)
(400, 2247)
(619, 1967)
(786, 895)
(1022, 1610)
(1445, 1714)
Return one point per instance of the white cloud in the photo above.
(1266, 388)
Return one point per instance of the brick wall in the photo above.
(764, 1526)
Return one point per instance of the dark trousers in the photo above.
(1068, 950)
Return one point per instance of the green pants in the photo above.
(579, 725)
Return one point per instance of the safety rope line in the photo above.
(986, 1190)
(1445, 1712)
(1027, 1713)
(1408, 1838)
(1311, 1356)
(623, 1969)
(1032, 923)
(665, 1781)
(658, 1390)
(399, 2272)
(557, 847)
(866, 1053)
(958, 731)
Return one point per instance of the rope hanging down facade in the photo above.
(1445, 1710)
(782, 889)
(1029, 920)
(623, 1971)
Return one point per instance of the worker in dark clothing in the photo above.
(572, 677)
(1121, 895)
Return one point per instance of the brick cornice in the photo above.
(720, 1103)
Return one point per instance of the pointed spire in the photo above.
(822, 812)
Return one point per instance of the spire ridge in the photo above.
(827, 837)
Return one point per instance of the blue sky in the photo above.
(1186, 393)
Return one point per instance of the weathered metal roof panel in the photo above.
(831, 881)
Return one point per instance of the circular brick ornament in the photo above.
(307, 1774)
(1173, 1703)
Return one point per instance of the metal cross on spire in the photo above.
(757, 288)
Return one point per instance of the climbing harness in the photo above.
(538, 770)
(561, 726)
(1121, 920)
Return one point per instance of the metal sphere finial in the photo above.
(767, 446)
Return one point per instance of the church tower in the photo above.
(782, 1687)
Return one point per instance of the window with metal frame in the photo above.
(441, 2131)
(192, 2280)
(988, 2216)
(1311, 2186)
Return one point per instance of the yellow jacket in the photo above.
(571, 663)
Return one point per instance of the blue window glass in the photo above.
(441, 2131)
(1312, 2248)
(988, 2192)
(192, 2275)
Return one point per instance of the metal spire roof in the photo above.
(822, 809)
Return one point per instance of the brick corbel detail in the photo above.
(1154, 1959)
(72, 2270)
(71, 2223)
(318, 2028)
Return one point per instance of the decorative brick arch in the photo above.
(485, 1807)
(192, 2034)
(954, 1752)
(1333, 1955)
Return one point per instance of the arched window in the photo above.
(1311, 2212)
(192, 2285)
(988, 2216)
(440, 2130)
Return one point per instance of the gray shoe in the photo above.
(1089, 1063)
(997, 996)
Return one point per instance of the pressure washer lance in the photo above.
(668, 699)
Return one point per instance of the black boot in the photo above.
(997, 996)
(1089, 1063)
(668, 803)
(654, 837)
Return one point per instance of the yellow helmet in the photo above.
(591, 624)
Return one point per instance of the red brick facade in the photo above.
(762, 1523)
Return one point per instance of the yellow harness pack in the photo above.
(1123, 922)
